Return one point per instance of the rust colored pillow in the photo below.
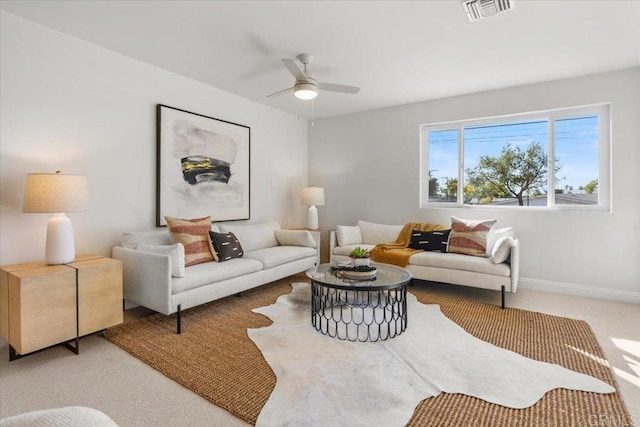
(194, 236)
(469, 237)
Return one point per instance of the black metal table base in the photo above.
(359, 315)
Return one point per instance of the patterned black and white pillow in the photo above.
(226, 245)
(432, 241)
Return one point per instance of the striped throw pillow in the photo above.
(194, 236)
(469, 237)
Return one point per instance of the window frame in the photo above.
(603, 111)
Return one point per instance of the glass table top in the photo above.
(387, 277)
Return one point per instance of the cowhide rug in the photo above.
(325, 381)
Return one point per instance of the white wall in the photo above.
(369, 165)
(69, 105)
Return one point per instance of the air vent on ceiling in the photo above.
(479, 9)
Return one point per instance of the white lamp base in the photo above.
(60, 247)
(312, 218)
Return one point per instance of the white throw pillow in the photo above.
(175, 252)
(496, 234)
(501, 250)
(295, 238)
(348, 235)
(373, 234)
(254, 236)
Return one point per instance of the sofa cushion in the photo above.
(435, 241)
(348, 235)
(373, 233)
(469, 237)
(501, 250)
(254, 236)
(212, 272)
(272, 257)
(295, 238)
(346, 250)
(194, 236)
(175, 253)
(225, 246)
(460, 262)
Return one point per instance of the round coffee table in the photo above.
(359, 310)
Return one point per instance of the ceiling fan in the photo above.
(306, 86)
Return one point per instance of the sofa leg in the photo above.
(503, 297)
(239, 294)
(179, 322)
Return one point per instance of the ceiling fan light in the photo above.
(305, 91)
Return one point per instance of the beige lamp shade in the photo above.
(313, 196)
(54, 193)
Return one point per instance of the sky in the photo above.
(576, 145)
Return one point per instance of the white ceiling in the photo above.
(398, 52)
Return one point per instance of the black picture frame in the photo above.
(203, 167)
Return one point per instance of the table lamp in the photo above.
(56, 193)
(313, 196)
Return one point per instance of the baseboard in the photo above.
(128, 305)
(579, 290)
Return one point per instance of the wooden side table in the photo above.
(44, 305)
(321, 241)
(324, 246)
(99, 293)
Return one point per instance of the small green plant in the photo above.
(359, 252)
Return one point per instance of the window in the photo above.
(516, 160)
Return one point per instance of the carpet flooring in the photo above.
(215, 358)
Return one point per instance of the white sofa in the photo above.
(451, 268)
(148, 277)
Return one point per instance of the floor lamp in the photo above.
(56, 193)
(312, 197)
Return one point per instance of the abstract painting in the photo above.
(203, 167)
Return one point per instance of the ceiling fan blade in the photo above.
(281, 92)
(295, 69)
(338, 88)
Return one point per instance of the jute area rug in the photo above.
(215, 358)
